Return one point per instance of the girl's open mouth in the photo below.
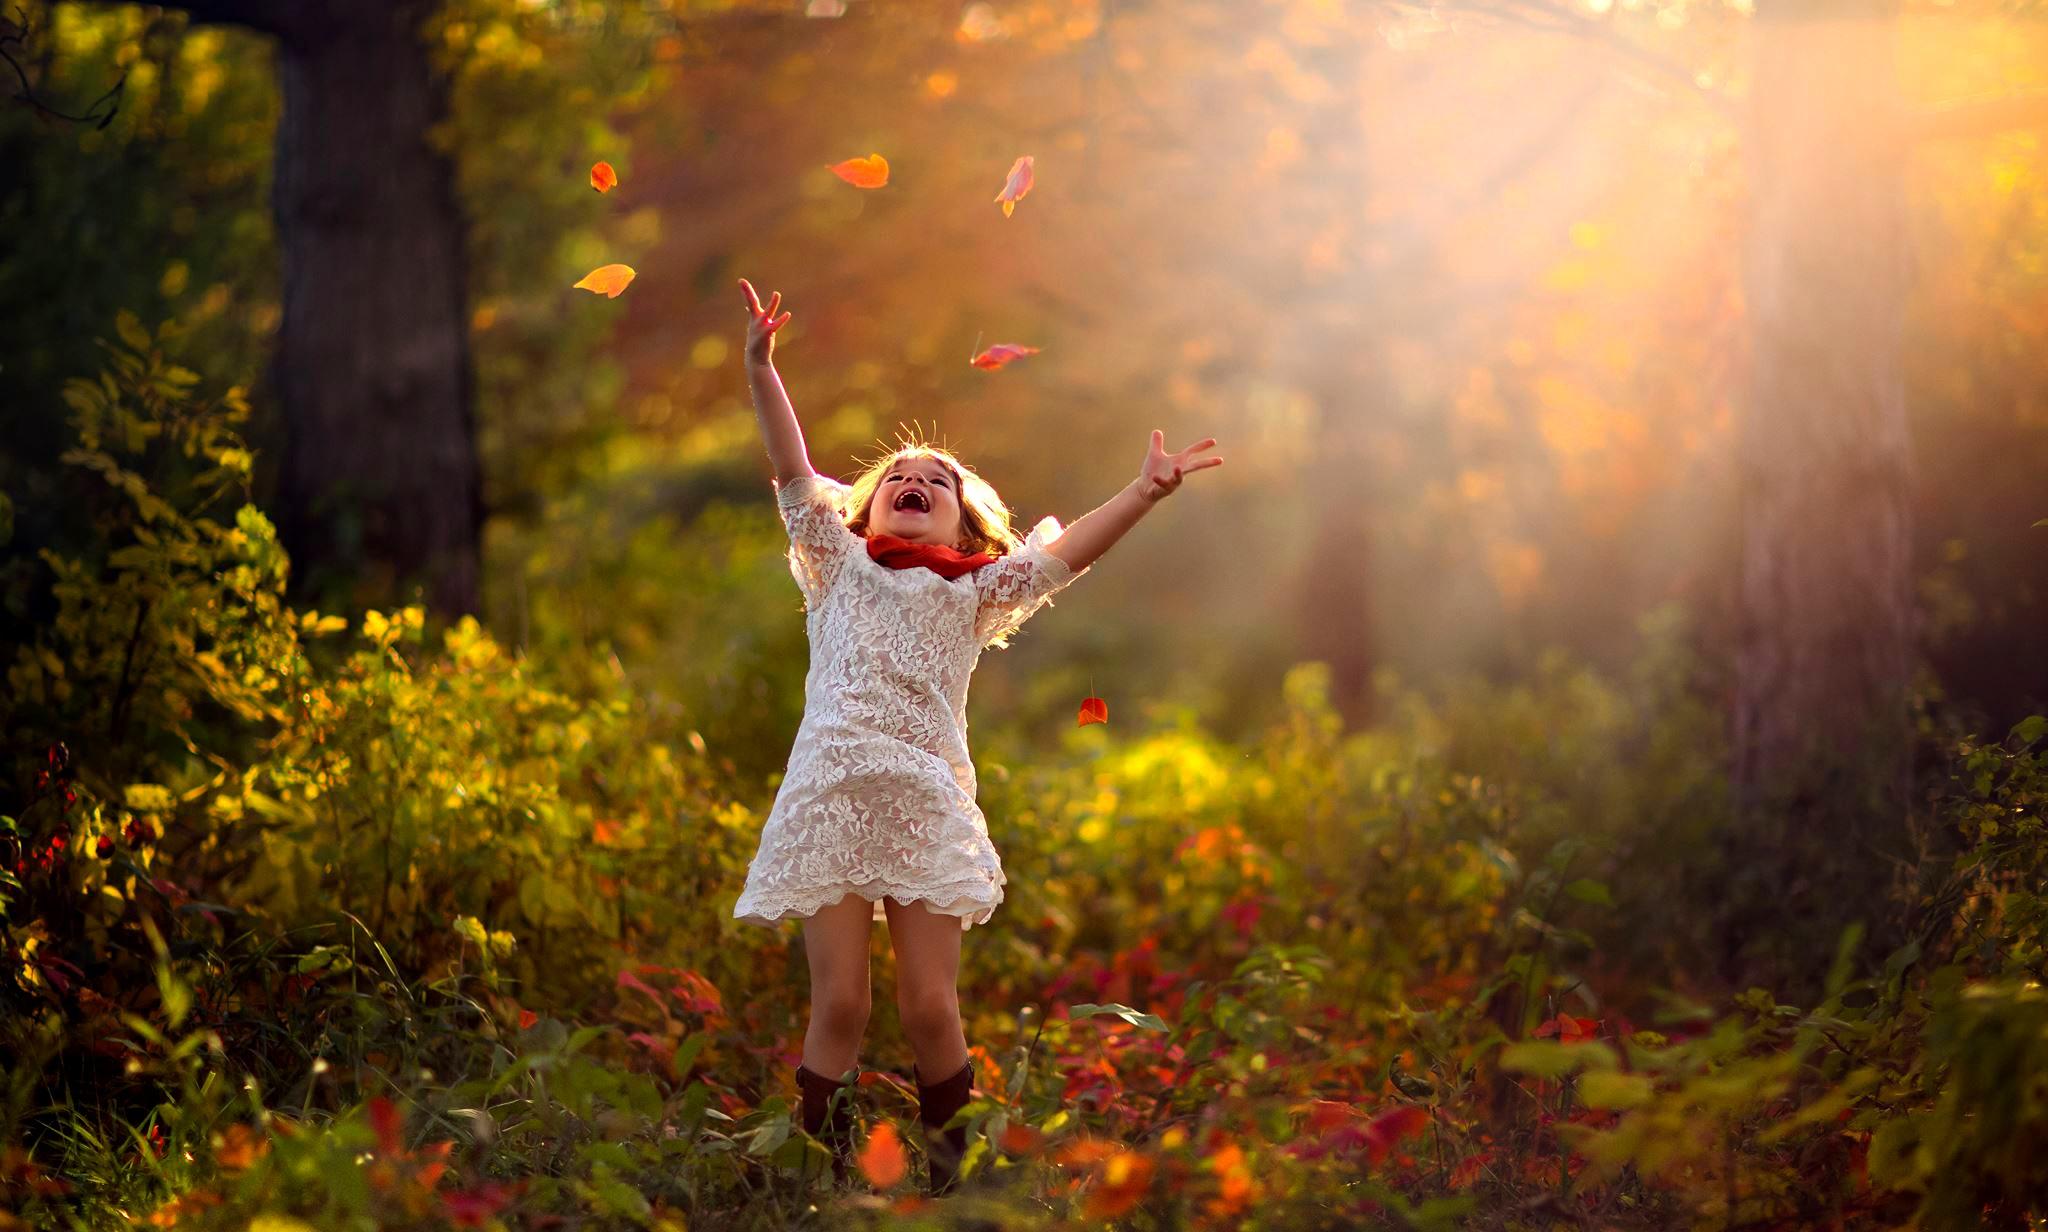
(913, 500)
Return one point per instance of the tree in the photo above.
(372, 366)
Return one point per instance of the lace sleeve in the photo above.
(1017, 585)
(812, 509)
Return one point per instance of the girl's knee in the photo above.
(842, 1011)
(928, 1009)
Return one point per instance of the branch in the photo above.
(1982, 117)
(15, 34)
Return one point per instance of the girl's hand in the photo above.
(1163, 471)
(762, 324)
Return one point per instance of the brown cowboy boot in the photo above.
(827, 1108)
(936, 1105)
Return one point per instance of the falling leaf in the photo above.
(603, 178)
(881, 1158)
(869, 172)
(1093, 710)
(1016, 186)
(1000, 354)
(607, 280)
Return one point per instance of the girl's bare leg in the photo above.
(836, 943)
(927, 946)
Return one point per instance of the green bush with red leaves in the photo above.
(312, 923)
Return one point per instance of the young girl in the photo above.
(906, 576)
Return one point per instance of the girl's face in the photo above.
(918, 500)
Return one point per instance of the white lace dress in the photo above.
(879, 794)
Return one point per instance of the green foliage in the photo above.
(313, 923)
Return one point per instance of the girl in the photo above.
(906, 576)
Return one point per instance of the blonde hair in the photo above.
(984, 518)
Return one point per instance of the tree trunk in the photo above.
(380, 484)
(1824, 657)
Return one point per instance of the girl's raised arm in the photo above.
(1093, 532)
(779, 430)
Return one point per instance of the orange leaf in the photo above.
(1567, 1029)
(881, 1158)
(1093, 710)
(1016, 186)
(869, 172)
(1020, 1139)
(1000, 354)
(240, 1146)
(607, 280)
(1084, 1151)
(603, 178)
(604, 833)
(1125, 1178)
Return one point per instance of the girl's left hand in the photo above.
(1163, 471)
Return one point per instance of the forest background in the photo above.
(1625, 590)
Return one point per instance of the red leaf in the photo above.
(1093, 710)
(1017, 185)
(603, 178)
(1000, 354)
(388, 1121)
(1389, 1127)
(1324, 1114)
(869, 172)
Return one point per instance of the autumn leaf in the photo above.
(606, 280)
(1126, 1176)
(240, 1146)
(1000, 354)
(869, 172)
(603, 178)
(1021, 1139)
(1567, 1029)
(389, 1123)
(882, 1159)
(1016, 186)
(1093, 710)
(1389, 1127)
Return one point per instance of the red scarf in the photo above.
(900, 553)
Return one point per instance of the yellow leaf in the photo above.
(606, 280)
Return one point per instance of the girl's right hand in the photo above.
(762, 324)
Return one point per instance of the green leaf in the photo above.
(131, 331)
(1137, 1018)
(1587, 890)
(1549, 1059)
(1612, 1089)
